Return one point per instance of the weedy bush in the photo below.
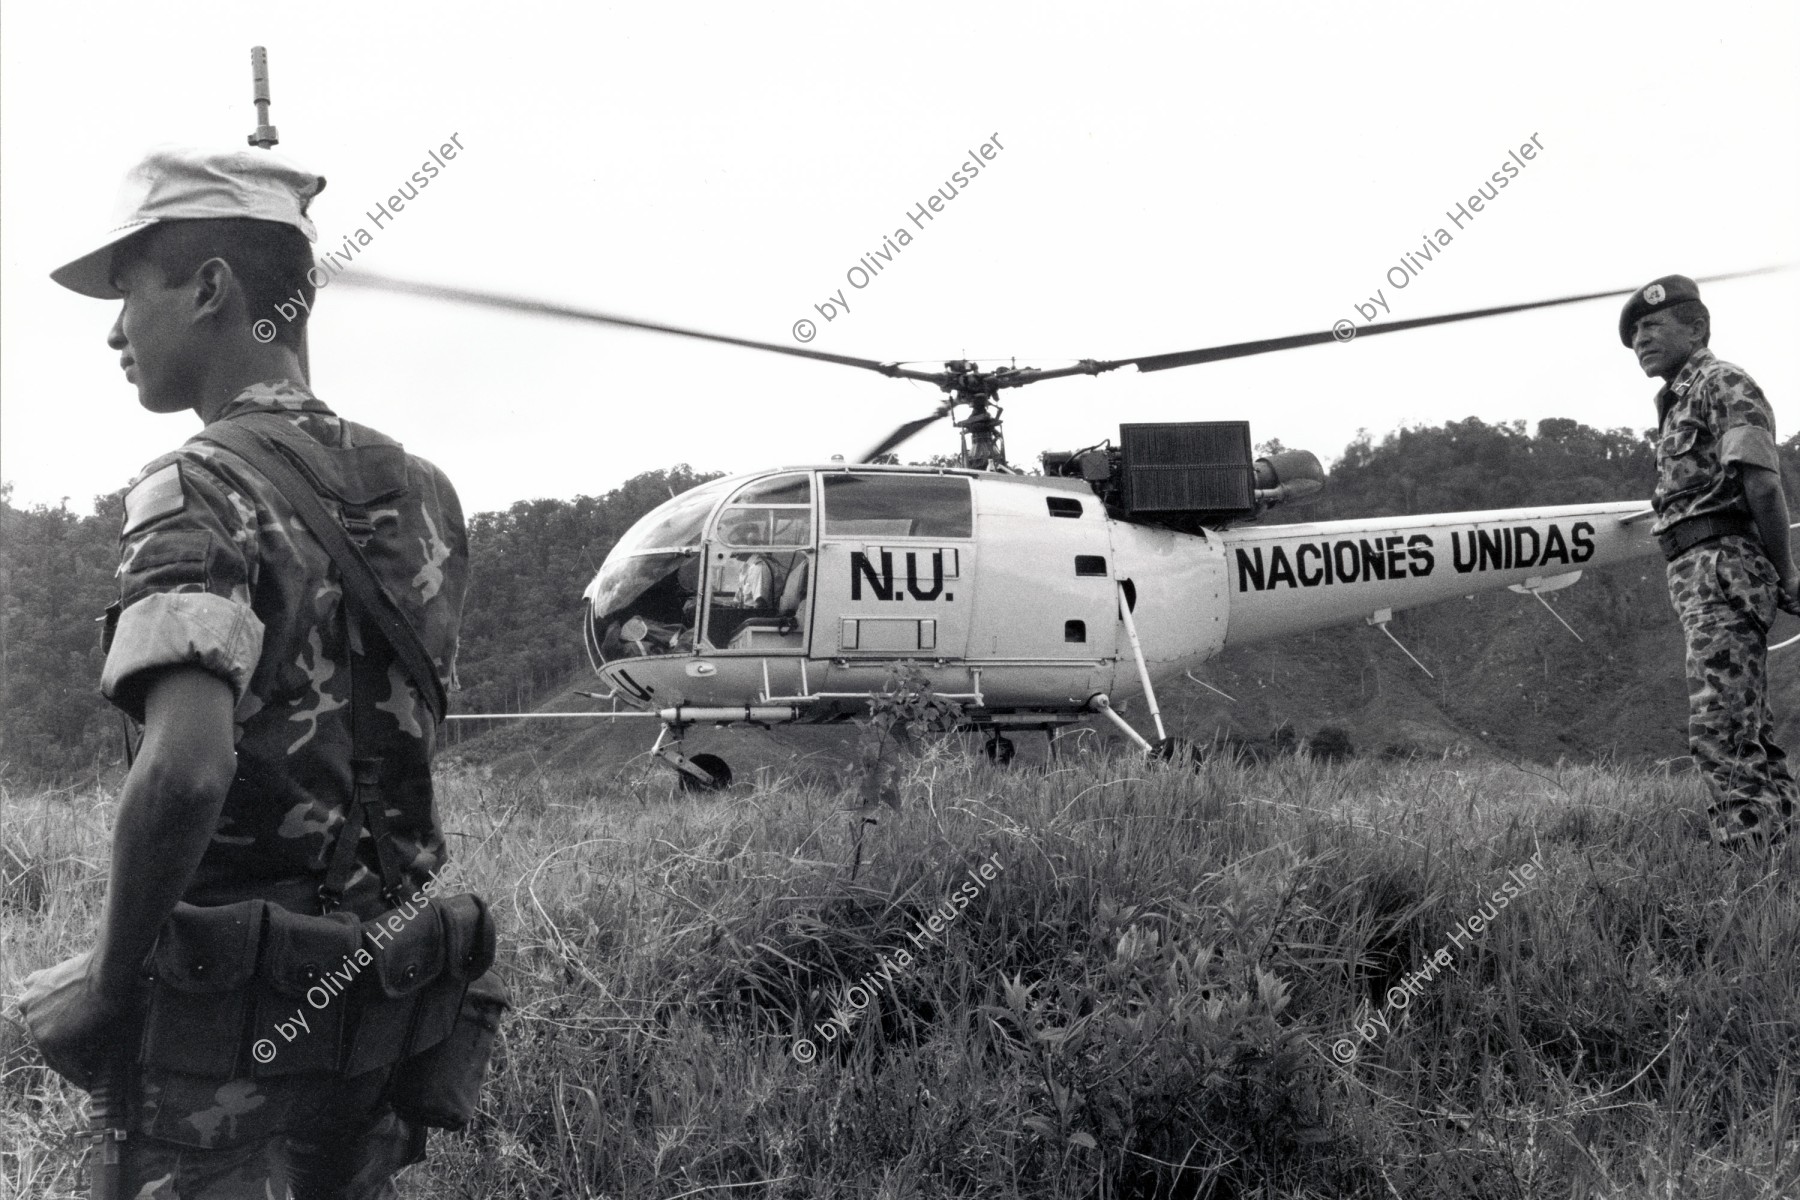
(1234, 980)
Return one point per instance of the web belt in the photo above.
(1683, 536)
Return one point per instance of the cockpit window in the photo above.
(778, 489)
(769, 512)
(766, 527)
(887, 505)
(677, 524)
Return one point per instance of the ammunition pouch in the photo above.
(441, 1086)
(300, 959)
(200, 992)
(254, 990)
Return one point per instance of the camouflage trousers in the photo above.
(1725, 592)
(312, 1137)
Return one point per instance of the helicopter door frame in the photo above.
(895, 573)
(757, 521)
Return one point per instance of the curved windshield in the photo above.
(643, 605)
(677, 523)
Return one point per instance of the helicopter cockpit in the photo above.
(643, 601)
(658, 595)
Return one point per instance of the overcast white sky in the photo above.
(1172, 176)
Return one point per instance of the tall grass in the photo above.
(1160, 994)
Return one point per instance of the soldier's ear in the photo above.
(214, 286)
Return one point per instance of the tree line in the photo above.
(521, 640)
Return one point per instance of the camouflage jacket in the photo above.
(216, 571)
(1712, 417)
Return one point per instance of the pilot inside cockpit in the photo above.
(755, 589)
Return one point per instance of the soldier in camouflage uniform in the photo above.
(231, 633)
(1722, 521)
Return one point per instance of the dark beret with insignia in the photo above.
(1655, 296)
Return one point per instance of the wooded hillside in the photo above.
(1506, 674)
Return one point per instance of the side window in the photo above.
(776, 511)
(896, 506)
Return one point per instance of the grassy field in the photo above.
(1224, 982)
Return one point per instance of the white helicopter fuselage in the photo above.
(1016, 594)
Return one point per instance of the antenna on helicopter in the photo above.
(1379, 619)
(1209, 687)
(1549, 608)
(265, 135)
(1537, 585)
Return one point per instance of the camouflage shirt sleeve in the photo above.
(187, 562)
(1742, 419)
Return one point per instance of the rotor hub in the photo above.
(969, 386)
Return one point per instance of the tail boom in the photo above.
(1286, 579)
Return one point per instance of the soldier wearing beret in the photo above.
(256, 686)
(1722, 522)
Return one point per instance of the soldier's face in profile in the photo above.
(1663, 343)
(156, 336)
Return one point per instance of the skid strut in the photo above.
(1102, 704)
(703, 772)
(1137, 652)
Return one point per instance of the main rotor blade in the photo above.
(900, 436)
(382, 283)
(1189, 358)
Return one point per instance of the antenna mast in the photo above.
(265, 135)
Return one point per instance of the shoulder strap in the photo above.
(362, 587)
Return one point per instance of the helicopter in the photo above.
(791, 595)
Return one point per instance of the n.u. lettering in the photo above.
(881, 585)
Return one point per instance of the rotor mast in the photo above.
(982, 446)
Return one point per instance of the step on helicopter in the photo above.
(791, 595)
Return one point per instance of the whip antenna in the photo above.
(265, 135)
(1380, 618)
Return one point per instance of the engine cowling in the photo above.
(1287, 475)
